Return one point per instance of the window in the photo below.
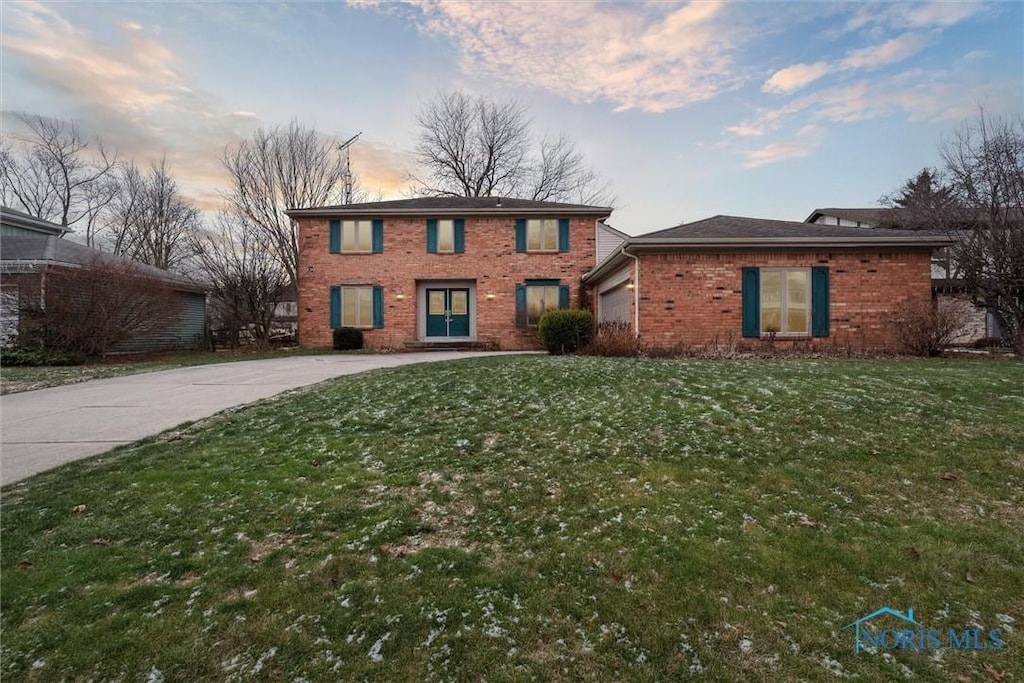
(360, 306)
(535, 297)
(542, 234)
(356, 236)
(446, 236)
(786, 301)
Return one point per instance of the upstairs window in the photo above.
(542, 234)
(361, 236)
(446, 236)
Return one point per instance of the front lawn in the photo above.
(535, 518)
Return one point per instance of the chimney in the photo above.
(499, 202)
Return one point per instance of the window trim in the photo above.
(357, 224)
(784, 303)
(544, 224)
(441, 224)
(376, 307)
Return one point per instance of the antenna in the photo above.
(347, 177)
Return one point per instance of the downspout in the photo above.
(636, 292)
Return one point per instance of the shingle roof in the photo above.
(874, 216)
(448, 205)
(736, 227)
(15, 249)
(20, 219)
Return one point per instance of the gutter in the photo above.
(636, 290)
(603, 212)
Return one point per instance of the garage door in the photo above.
(615, 305)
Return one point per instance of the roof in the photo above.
(451, 206)
(51, 250)
(732, 233)
(874, 216)
(20, 219)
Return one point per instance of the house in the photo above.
(947, 286)
(442, 271)
(36, 265)
(728, 278)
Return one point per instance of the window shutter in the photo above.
(335, 307)
(520, 305)
(460, 236)
(335, 238)
(520, 234)
(819, 302)
(563, 296)
(378, 236)
(378, 307)
(563, 234)
(751, 302)
(431, 235)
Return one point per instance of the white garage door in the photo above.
(615, 305)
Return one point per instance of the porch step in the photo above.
(448, 346)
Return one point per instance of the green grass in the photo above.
(534, 518)
(14, 379)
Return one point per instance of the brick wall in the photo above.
(696, 298)
(490, 261)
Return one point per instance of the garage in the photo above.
(614, 305)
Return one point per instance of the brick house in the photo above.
(439, 271)
(743, 279)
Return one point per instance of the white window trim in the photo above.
(357, 226)
(784, 302)
(557, 289)
(441, 224)
(544, 225)
(358, 288)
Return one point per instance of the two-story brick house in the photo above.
(442, 270)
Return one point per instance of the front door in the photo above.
(448, 312)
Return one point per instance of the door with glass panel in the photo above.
(448, 312)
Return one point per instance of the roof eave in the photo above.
(599, 211)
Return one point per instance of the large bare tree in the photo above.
(54, 174)
(149, 220)
(477, 147)
(277, 169)
(246, 281)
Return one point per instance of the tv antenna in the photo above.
(347, 177)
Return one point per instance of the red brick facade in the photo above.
(490, 265)
(694, 298)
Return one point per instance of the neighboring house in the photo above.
(441, 271)
(17, 224)
(947, 287)
(727, 278)
(28, 259)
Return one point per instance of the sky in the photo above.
(762, 109)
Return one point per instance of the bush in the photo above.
(348, 339)
(565, 330)
(925, 328)
(614, 339)
(38, 357)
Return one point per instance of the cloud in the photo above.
(795, 77)
(916, 15)
(651, 57)
(889, 52)
(745, 131)
(775, 152)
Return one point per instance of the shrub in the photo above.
(925, 328)
(37, 357)
(614, 339)
(565, 330)
(348, 339)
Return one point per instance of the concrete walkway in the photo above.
(49, 427)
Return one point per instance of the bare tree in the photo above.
(477, 147)
(55, 176)
(279, 169)
(149, 220)
(247, 282)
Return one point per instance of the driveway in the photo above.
(49, 427)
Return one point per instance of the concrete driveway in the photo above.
(49, 427)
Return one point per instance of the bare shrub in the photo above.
(614, 339)
(926, 328)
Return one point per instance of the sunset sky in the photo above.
(765, 109)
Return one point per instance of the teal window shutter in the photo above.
(563, 234)
(520, 305)
(335, 238)
(431, 235)
(751, 302)
(335, 307)
(378, 307)
(819, 301)
(521, 234)
(563, 296)
(378, 236)
(460, 236)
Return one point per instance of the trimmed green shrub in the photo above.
(38, 357)
(565, 330)
(348, 339)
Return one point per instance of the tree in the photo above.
(279, 169)
(149, 220)
(477, 147)
(53, 176)
(246, 280)
(920, 201)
